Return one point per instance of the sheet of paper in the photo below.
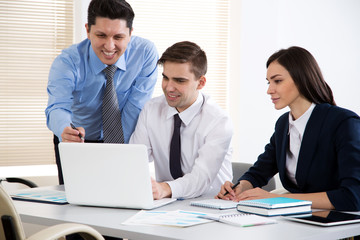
(178, 218)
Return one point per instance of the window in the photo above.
(32, 34)
(204, 22)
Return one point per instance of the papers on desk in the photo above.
(240, 219)
(41, 195)
(181, 218)
(214, 203)
(178, 218)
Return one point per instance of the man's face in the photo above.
(109, 38)
(180, 86)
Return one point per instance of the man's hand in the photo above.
(72, 135)
(160, 190)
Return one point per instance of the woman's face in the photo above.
(282, 88)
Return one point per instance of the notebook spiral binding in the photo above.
(234, 215)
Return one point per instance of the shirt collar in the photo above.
(98, 66)
(187, 115)
(301, 122)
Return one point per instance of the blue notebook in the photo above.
(275, 206)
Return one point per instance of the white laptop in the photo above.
(108, 175)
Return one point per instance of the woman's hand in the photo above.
(255, 193)
(226, 191)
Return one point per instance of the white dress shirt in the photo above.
(206, 133)
(296, 132)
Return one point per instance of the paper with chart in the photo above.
(178, 218)
(40, 195)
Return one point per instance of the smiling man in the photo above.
(187, 134)
(78, 82)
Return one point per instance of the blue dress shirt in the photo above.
(76, 87)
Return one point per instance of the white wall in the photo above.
(80, 19)
(329, 29)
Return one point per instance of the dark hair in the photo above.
(183, 52)
(113, 9)
(305, 72)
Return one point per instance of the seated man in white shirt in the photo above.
(198, 161)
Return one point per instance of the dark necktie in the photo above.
(111, 116)
(175, 150)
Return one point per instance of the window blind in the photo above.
(205, 22)
(32, 34)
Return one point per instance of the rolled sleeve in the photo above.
(61, 84)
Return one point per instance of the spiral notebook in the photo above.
(214, 203)
(240, 219)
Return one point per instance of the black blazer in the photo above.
(329, 157)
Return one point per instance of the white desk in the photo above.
(108, 222)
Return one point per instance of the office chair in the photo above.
(11, 227)
(19, 180)
(240, 168)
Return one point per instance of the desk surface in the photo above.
(108, 222)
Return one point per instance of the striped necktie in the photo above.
(111, 116)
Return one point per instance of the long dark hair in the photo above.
(305, 72)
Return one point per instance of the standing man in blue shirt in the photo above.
(77, 80)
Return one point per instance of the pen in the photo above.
(232, 187)
(73, 127)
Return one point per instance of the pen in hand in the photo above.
(73, 127)
(234, 186)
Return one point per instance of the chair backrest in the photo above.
(15, 183)
(10, 224)
(240, 168)
(23, 181)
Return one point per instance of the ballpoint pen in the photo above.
(73, 127)
(232, 187)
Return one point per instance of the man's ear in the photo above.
(87, 30)
(202, 82)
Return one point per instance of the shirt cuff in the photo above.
(176, 190)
